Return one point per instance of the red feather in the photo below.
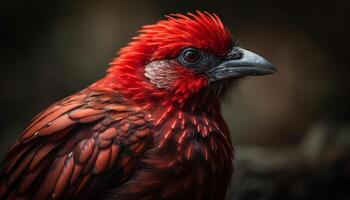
(123, 137)
(166, 39)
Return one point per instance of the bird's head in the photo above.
(182, 57)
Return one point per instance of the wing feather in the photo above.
(80, 142)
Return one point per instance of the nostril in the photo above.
(235, 53)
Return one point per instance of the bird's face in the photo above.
(194, 70)
(183, 56)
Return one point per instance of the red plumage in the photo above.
(151, 129)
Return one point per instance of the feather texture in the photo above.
(74, 143)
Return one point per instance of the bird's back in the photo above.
(81, 145)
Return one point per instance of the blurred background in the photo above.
(291, 130)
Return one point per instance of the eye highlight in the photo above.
(190, 57)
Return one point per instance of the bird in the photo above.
(151, 128)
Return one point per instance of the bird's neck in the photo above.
(197, 106)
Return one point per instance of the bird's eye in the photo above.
(191, 56)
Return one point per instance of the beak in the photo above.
(238, 63)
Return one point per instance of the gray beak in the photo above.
(238, 63)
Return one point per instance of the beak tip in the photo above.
(272, 69)
(266, 66)
(261, 64)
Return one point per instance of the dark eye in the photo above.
(191, 56)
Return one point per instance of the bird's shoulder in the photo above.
(83, 107)
(77, 143)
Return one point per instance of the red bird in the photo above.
(150, 129)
